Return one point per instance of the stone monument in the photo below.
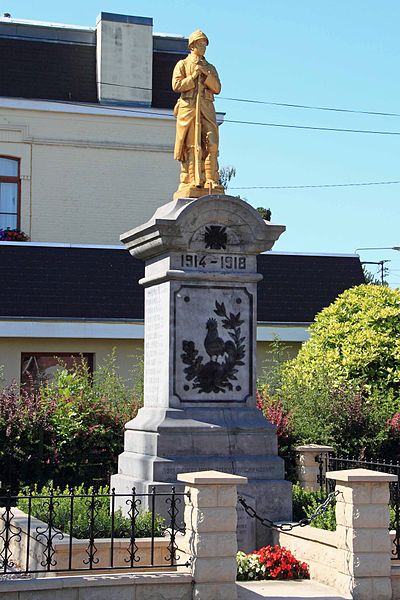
(199, 411)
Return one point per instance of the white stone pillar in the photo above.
(364, 546)
(210, 539)
(307, 466)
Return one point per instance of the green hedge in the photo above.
(343, 387)
(306, 501)
(61, 513)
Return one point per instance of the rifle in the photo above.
(197, 137)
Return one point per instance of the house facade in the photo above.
(86, 152)
(86, 127)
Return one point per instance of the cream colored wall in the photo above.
(88, 178)
(268, 354)
(11, 349)
(316, 547)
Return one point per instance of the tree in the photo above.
(225, 175)
(344, 385)
(372, 278)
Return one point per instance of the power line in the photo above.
(311, 107)
(311, 127)
(322, 185)
(139, 112)
(267, 102)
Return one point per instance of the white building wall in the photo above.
(88, 174)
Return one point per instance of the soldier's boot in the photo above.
(187, 168)
(211, 169)
(191, 169)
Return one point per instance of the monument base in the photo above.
(161, 443)
(191, 191)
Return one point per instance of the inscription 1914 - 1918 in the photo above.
(225, 262)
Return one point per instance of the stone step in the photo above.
(150, 468)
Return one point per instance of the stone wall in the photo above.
(37, 549)
(316, 547)
(395, 577)
(209, 542)
(356, 558)
(163, 586)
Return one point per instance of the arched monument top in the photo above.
(224, 223)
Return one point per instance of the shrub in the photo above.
(88, 421)
(270, 562)
(81, 513)
(26, 435)
(70, 430)
(306, 501)
(275, 412)
(343, 386)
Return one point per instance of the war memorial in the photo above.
(200, 288)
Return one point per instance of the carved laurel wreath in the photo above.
(213, 376)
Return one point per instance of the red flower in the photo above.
(280, 563)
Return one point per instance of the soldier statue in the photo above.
(196, 143)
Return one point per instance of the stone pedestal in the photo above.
(307, 465)
(362, 529)
(200, 346)
(210, 536)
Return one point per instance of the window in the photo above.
(41, 366)
(9, 193)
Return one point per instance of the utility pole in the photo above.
(379, 262)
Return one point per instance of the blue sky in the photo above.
(333, 54)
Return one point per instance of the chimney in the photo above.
(124, 59)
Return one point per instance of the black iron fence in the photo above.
(329, 462)
(90, 532)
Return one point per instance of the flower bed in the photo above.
(270, 562)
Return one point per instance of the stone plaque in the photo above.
(213, 354)
(246, 526)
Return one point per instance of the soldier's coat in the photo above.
(185, 108)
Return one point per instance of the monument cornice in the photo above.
(178, 275)
(176, 226)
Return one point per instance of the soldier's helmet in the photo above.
(197, 35)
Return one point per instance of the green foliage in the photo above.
(81, 513)
(225, 175)
(26, 436)
(70, 430)
(355, 339)
(88, 420)
(306, 501)
(265, 213)
(343, 386)
(370, 278)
